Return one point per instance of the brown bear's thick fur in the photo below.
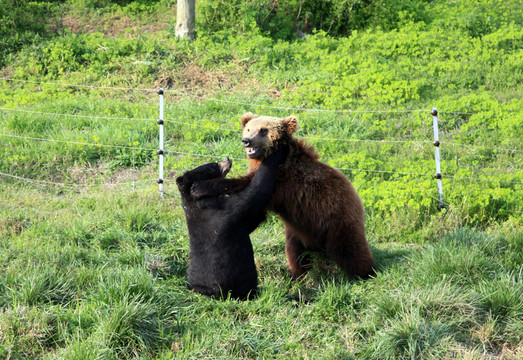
(318, 205)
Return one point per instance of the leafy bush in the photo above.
(23, 23)
(477, 17)
(75, 52)
(282, 19)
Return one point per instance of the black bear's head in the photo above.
(204, 172)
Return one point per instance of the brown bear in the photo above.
(317, 203)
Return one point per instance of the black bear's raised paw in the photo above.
(198, 190)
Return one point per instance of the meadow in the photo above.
(93, 261)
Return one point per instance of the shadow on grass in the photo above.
(324, 273)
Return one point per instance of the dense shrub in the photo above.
(283, 19)
(22, 23)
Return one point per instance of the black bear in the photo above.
(221, 255)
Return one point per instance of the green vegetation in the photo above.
(92, 260)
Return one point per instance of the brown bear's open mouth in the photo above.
(251, 152)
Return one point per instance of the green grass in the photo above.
(78, 281)
(93, 263)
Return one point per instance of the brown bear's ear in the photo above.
(246, 118)
(290, 124)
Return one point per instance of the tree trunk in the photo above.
(185, 19)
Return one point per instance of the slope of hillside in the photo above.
(93, 261)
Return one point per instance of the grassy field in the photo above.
(93, 262)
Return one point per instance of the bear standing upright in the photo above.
(317, 203)
(221, 258)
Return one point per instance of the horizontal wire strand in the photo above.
(481, 147)
(76, 115)
(482, 114)
(76, 85)
(218, 156)
(455, 177)
(77, 142)
(248, 104)
(348, 111)
(50, 183)
(234, 130)
(215, 99)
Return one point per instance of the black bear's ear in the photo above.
(246, 118)
(180, 180)
(290, 124)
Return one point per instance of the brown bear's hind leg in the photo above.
(297, 258)
(351, 252)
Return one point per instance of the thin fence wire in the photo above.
(368, 140)
(77, 142)
(170, 152)
(384, 172)
(298, 109)
(41, 82)
(76, 85)
(456, 177)
(415, 141)
(214, 156)
(459, 177)
(454, 207)
(217, 156)
(483, 147)
(49, 183)
(96, 117)
(482, 114)
(118, 118)
(74, 185)
(215, 99)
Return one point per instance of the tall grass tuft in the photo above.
(502, 298)
(131, 327)
(41, 284)
(410, 336)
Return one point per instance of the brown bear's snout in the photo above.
(246, 142)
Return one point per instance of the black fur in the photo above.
(221, 258)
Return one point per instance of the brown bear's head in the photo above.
(262, 134)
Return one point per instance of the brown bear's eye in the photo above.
(263, 131)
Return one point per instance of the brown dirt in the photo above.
(189, 78)
(192, 79)
(111, 26)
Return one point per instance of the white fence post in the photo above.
(437, 157)
(160, 148)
